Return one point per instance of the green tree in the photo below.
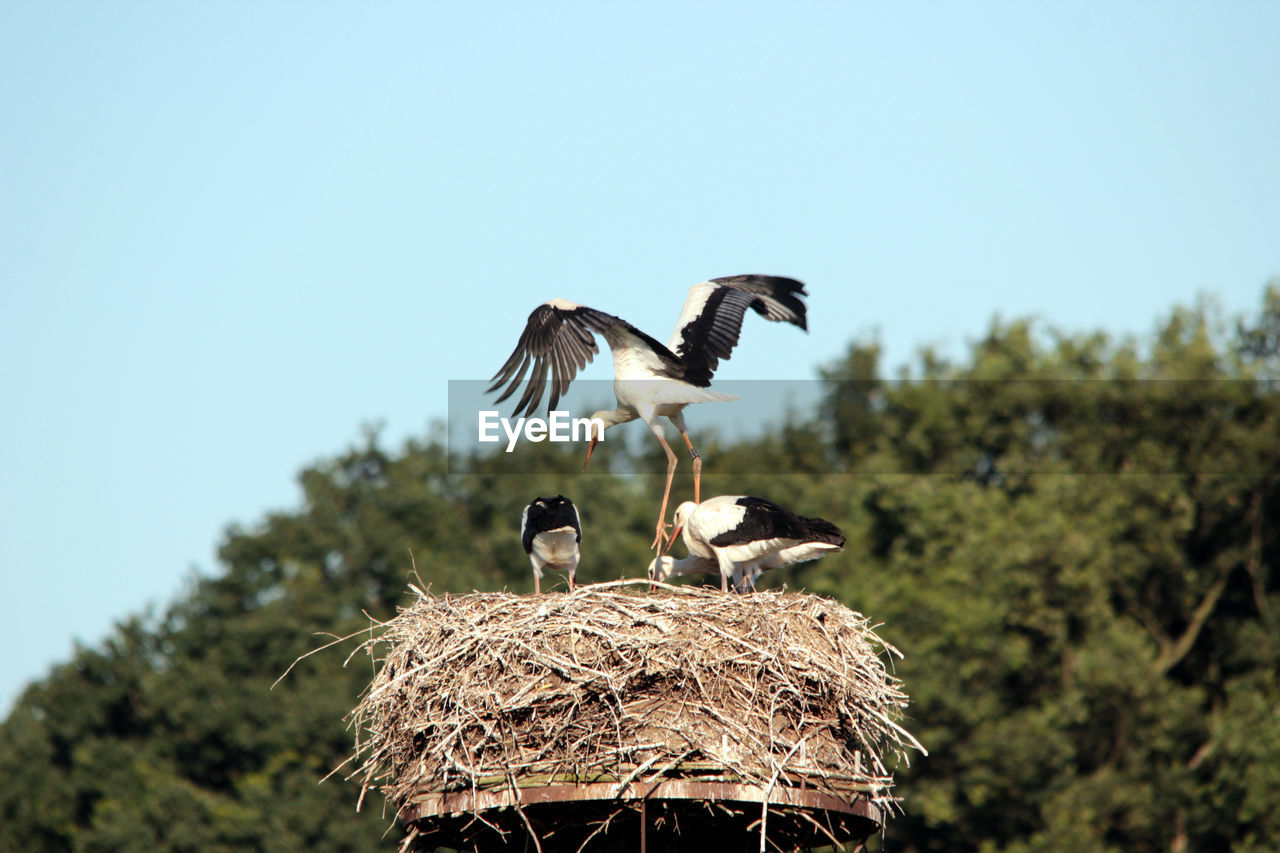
(1072, 539)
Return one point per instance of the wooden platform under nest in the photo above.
(567, 719)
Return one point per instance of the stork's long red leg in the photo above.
(666, 492)
(697, 468)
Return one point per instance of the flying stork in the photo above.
(550, 531)
(742, 536)
(649, 380)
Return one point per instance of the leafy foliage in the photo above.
(1072, 539)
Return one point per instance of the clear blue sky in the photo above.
(231, 233)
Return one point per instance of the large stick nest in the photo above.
(501, 690)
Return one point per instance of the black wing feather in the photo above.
(557, 342)
(764, 519)
(714, 332)
(545, 514)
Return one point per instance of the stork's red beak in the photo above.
(671, 541)
(590, 447)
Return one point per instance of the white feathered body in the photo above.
(557, 549)
(745, 536)
(641, 390)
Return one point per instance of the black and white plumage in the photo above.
(742, 536)
(551, 531)
(650, 380)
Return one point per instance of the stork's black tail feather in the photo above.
(821, 530)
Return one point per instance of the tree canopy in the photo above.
(1072, 538)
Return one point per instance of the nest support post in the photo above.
(662, 817)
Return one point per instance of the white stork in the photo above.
(649, 380)
(743, 536)
(550, 530)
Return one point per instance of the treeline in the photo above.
(1074, 540)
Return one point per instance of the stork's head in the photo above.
(680, 520)
(660, 568)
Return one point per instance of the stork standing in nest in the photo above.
(551, 530)
(741, 537)
(650, 380)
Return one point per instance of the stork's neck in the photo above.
(613, 417)
(691, 565)
(672, 567)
